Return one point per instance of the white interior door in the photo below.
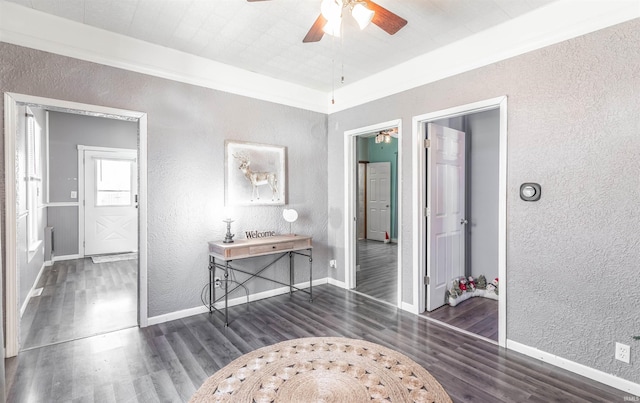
(378, 200)
(110, 202)
(446, 218)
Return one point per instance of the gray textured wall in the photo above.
(187, 126)
(574, 127)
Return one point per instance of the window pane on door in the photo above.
(113, 182)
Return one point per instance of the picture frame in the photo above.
(255, 174)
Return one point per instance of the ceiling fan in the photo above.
(363, 11)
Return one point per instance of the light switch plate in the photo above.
(74, 194)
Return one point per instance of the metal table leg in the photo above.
(291, 270)
(310, 275)
(226, 294)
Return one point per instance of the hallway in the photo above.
(80, 299)
(377, 276)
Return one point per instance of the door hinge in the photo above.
(426, 280)
(427, 212)
(427, 143)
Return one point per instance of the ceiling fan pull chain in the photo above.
(342, 55)
(333, 71)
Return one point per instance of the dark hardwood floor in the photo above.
(476, 315)
(378, 274)
(168, 362)
(80, 299)
(378, 278)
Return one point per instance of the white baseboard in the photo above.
(232, 302)
(33, 288)
(66, 257)
(337, 283)
(405, 306)
(580, 369)
(185, 313)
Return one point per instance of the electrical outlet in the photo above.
(623, 352)
(332, 263)
(217, 282)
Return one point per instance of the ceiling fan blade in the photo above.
(385, 19)
(316, 32)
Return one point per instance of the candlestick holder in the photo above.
(228, 238)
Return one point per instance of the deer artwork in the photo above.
(257, 178)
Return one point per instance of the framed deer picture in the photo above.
(255, 174)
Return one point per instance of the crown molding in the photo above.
(30, 28)
(553, 23)
(548, 25)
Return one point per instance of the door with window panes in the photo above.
(110, 204)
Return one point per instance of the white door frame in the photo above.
(81, 189)
(350, 208)
(11, 101)
(419, 203)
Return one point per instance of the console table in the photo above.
(222, 254)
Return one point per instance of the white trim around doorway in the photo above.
(419, 203)
(350, 163)
(11, 101)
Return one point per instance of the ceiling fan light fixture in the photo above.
(331, 9)
(332, 27)
(362, 14)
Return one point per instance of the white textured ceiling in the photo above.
(266, 36)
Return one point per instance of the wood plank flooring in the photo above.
(79, 299)
(476, 315)
(169, 361)
(378, 278)
(378, 274)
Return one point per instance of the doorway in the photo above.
(482, 222)
(109, 188)
(373, 200)
(13, 122)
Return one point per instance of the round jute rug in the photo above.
(322, 369)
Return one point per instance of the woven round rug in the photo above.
(322, 369)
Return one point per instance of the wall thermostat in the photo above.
(530, 191)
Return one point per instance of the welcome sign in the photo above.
(259, 234)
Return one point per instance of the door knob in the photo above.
(464, 221)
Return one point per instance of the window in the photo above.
(113, 182)
(34, 180)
